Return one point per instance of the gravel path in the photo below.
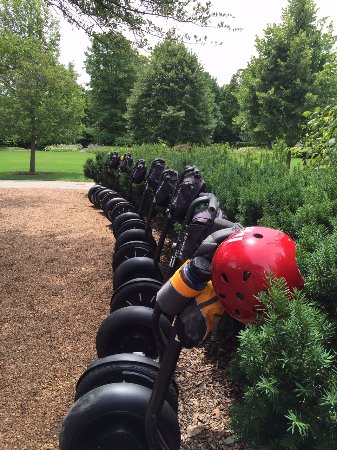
(55, 282)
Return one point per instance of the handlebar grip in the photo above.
(224, 223)
(158, 160)
(213, 203)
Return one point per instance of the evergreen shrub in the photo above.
(320, 272)
(289, 396)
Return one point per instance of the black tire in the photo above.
(136, 268)
(112, 203)
(137, 292)
(107, 197)
(121, 208)
(122, 218)
(91, 192)
(135, 235)
(129, 330)
(98, 191)
(99, 196)
(132, 224)
(112, 417)
(124, 368)
(132, 250)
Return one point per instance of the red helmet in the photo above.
(241, 264)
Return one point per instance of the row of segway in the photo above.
(115, 406)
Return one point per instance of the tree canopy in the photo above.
(295, 70)
(113, 66)
(140, 17)
(172, 99)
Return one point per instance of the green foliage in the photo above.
(320, 272)
(113, 65)
(289, 397)
(172, 100)
(295, 70)
(320, 141)
(40, 100)
(226, 99)
(137, 17)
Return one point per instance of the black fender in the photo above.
(112, 417)
(135, 235)
(122, 218)
(138, 267)
(130, 330)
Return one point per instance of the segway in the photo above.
(184, 193)
(118, 205)
(135, 244)
(139, 278)
(113, 165)
(153, 179)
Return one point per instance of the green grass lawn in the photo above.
(67, 166)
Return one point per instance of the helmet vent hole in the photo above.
(240, 296)
(237, 312)
(258, 235)
(224, 277)
(222, 295)
(246, 275)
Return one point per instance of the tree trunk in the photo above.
(288, 158)
(32, 156)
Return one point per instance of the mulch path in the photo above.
(55, 281)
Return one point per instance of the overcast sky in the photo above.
(220, 61)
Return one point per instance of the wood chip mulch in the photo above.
(55, 282)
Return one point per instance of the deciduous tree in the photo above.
(295, 70)
(172, 100)
(40, 100)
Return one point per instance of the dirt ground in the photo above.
(55, 283)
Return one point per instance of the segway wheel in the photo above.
(137, 292)
(112, 203)
(133, 224)
(132, 250)
(129, 330)
(121, 208)
(135, 235)
(123, 218)
(136, 268)
(107, 197)
(95, 194)
(99, 195)
(91, 192)
(112, 417)
(124, 368)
